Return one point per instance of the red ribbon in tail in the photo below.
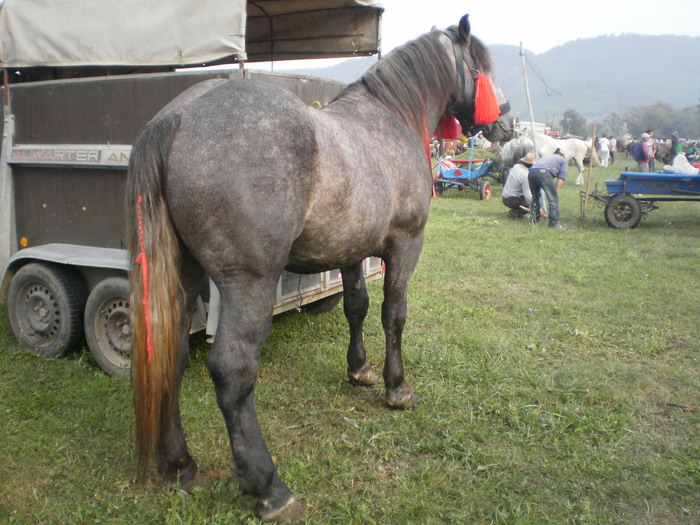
(142, 260)
(426, 144)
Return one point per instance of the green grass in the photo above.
(557, 373)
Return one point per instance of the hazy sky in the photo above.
(539, 24)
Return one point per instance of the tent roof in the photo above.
(297, 29)
(177, 33)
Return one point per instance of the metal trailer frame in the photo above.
(65, 150)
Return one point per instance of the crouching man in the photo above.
(516, 193)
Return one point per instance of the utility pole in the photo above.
(529, 101)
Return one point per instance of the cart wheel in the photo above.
(485, 190)
(623, 211)
(439, 188)
(45, 306)
(107, 326)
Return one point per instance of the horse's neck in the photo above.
(357, 99)
(418, 97)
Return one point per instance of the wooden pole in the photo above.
(529, 102)
(543, 202)
(590, 172)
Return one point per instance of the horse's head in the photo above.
(473, 68)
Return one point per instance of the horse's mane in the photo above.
(402, 79)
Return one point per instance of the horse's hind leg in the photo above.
(244, 322)
(400, 263)
(175, 465)
(355, 306)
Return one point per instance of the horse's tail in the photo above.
(155, 288)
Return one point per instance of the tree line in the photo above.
(659, 116)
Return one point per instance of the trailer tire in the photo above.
(45, 306)
(623, 211)
(107, 326)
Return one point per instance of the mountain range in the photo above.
(592, 76)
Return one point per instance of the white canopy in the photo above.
(74, 33)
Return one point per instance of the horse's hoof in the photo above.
(401, 398)
(365, 376)
(291, 512)
(199, 482)
(196, 483)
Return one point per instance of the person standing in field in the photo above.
(651, 146)
(613, 148)
(541, 178)
(676, 147)
(640, 153)
(604, 151)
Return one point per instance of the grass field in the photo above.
(557, 373)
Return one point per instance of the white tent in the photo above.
(79, 33)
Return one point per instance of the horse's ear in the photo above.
(465, 29)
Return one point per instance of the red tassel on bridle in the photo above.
(450, 128)
(486, 108)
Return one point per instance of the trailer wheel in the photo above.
(45, 306)
(107, 326)
(485, 190)
(623, 211)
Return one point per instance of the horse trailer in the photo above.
(67, 132)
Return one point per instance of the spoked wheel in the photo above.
(107, 326)
(485, 190)
(45, 306)
(439, 188)
(623, 211)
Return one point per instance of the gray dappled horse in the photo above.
(331, 199)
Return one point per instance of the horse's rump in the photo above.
(241, 168)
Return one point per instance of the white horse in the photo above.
(573, 149)
(515, 149)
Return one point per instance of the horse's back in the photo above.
(252, 165)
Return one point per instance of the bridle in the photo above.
(460, 107)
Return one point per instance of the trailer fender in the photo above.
(85, 257)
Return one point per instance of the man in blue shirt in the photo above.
(542, 177)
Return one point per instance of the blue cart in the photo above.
(461, 174)
(630, 198)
